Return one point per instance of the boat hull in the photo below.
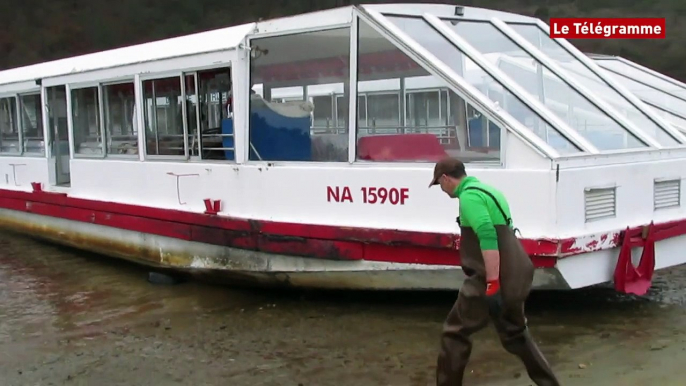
(247, 251)
(245, 267)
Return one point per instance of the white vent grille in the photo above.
(600, 203)
(666, 194)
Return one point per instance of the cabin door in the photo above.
(59, 134)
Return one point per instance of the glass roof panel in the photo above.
(535, 35)
(435, 43)
(643, 77)
(650, 94)
(676, 120)
(565, 102)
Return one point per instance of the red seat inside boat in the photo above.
(401, 147)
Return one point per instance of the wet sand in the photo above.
(74, 318)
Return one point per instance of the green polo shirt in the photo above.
(479, 212)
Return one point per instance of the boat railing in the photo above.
(219, 145)
(446, 134)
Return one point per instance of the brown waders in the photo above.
(472, 311)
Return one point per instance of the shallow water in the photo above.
(75, 318)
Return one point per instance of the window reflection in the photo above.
(31, 110)
(582, 74)
(430, 39)
(121, 126)
(560, 98)
(163, 116)
(299, 102)
(85, 110)
(411, 115)
(9, 127)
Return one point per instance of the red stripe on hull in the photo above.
(317, 241)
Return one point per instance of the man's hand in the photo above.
(492, 264)
(492, 288)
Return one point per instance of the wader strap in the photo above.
(508, 220)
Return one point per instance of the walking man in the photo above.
(499, 277)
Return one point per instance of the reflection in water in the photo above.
(67, 315)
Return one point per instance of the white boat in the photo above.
(297, 151)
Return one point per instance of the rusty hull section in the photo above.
(221, 264)
(239, 266)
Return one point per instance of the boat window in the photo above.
(9, 133)
(425, 108)
(474, 32)
(85, 109)
(299, 98)
(121, 125)
(411, 115)
(192, 112)
(383, 109)
(32, 124)
(163, 117)
(361, 110)
(487, 85)
(323, 118)
(216, 115)
(561, 99)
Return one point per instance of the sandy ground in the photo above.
(70, 318)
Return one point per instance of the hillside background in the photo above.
(32, 31)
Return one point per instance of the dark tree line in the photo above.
(33, 31)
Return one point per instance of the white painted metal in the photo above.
(19, 123)
(608, 159)
(46, 120)
(13, 88)
(180, 47)
(311, 21)
(154, 68)
(70, 125)
(352, 94)
(617, 86)
(598, 267)
(17, 173)
(140, 119)
(444, 10)
(240, 75)
(242, 68)
(184, 117)
(27, 88)
(600, 203)
(457, 83)
(535, 105)
(666, 193)
(553, 67)
(103, 134)
(634, 184)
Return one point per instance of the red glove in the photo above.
(494, 298)
(492, 287)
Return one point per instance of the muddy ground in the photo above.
(74, 318)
